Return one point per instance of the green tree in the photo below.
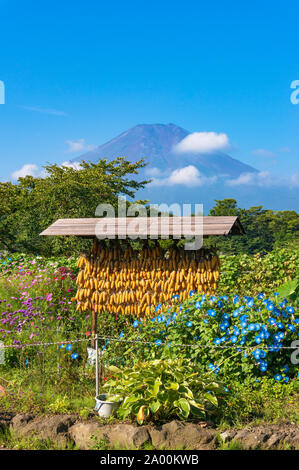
(265, 229)
(225, 207)
(33, 204)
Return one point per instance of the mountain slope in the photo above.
(150, 141)
(155, 143)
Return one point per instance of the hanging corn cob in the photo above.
(134, 283)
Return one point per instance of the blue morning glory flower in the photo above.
(69, 347)
(291, 328)
(211, 313)
(290, 309)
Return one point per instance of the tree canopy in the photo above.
(32, 204)
(265, 229)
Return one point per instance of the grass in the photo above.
(9, 440)
(50, 382)
(232, 445)
(266, 402)
(29, 392)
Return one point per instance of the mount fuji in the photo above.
(156, 144)
(190, 176)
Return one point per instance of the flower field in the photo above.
(232, 343)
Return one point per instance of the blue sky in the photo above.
(78, 73)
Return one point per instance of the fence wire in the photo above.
(121, 340)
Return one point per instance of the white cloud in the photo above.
(187, 176)
(153, 172)
(36, 109)
(74, 165)
(29, 169)
(265, 179)
(78, 146)
(202, 142)
(264, 153)
(294, 180)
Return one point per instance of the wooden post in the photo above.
(94, 318)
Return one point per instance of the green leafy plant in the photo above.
(163, 389)
(290, 290)
(60, 405)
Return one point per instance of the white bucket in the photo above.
(105, 409)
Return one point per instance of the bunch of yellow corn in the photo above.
(129, 282)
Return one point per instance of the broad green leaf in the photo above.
(155, 406)
(211, 398)
(173, 386)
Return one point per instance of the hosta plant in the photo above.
(162, 389)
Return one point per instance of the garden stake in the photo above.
(94, 317)
(101, 367)
(97, 364)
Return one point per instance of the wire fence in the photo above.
(133, 341)
(101, 359)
